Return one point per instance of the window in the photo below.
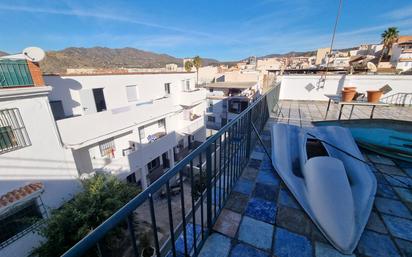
(16, 223)
(57, 110)
(131, 92)
(210, 107)
(167, 88)
(13, 134)
(131, 178)
(161, 123)
(107, 148)
(142, 135)
(210, 118)
(186, 85)
(211, 90)
(99, 99)
(153, 164)
(224, 121)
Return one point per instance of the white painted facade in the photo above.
(223, 105)
(310, 87)
(402, 56)
(43, 160)
(148, 117)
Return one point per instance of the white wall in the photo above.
(44, 161)
(150, 86)
(293, 87)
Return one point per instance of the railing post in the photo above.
(249, 132)
(209, 187)
(132, 235)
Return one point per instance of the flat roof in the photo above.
(240, 85)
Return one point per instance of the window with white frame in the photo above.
(132, 93)
(167, 89)
(107, 148)
(13, 134)
(161, 123)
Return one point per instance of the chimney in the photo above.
(36, 73)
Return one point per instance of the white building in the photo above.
(402, 53)
(226, 100)
(36, 172)
(134, 126)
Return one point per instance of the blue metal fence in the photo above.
(14, 73)
(216, 165)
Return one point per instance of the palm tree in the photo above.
(188, 66)
(389, 37)
(197, 62)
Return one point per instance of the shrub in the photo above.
(102, 196)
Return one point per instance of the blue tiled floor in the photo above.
(244, 250)
(273, 223)
(256, 233)
(244, 186)
(374, 244)
(261, 210)
(291, 244)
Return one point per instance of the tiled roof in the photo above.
(403, 39)
(20, 193)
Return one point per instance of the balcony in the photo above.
(192, 97)
(15, 73)
(189, 127)
(147, 152)
(88, 129)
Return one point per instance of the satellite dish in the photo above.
(34, 54)
(371, 67)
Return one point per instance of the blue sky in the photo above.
(225, 29)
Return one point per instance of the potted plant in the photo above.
(374, 95)
(348, 95)
(351, 89)
(147, 249)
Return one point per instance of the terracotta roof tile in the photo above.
(19, 193)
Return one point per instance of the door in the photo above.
(99, 99)
(165, 160)
(87, 101)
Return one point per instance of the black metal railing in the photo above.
(176, 213)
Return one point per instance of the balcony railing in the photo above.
(192, 97)
(15, 73)
(199, 203)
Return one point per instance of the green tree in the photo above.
(188, 66)
(102, 196)
(197, 63)
(389, 37)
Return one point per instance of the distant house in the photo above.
(402, 53)
(226, 100)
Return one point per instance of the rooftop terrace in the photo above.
(242, 208)
(261, 217)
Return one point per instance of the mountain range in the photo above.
(107, 58)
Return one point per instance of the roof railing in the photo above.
(190, 198)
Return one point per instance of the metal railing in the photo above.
(402, 99)
(15, 73)
(189, 201)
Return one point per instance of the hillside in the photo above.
(3, 53)
(102, 57)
